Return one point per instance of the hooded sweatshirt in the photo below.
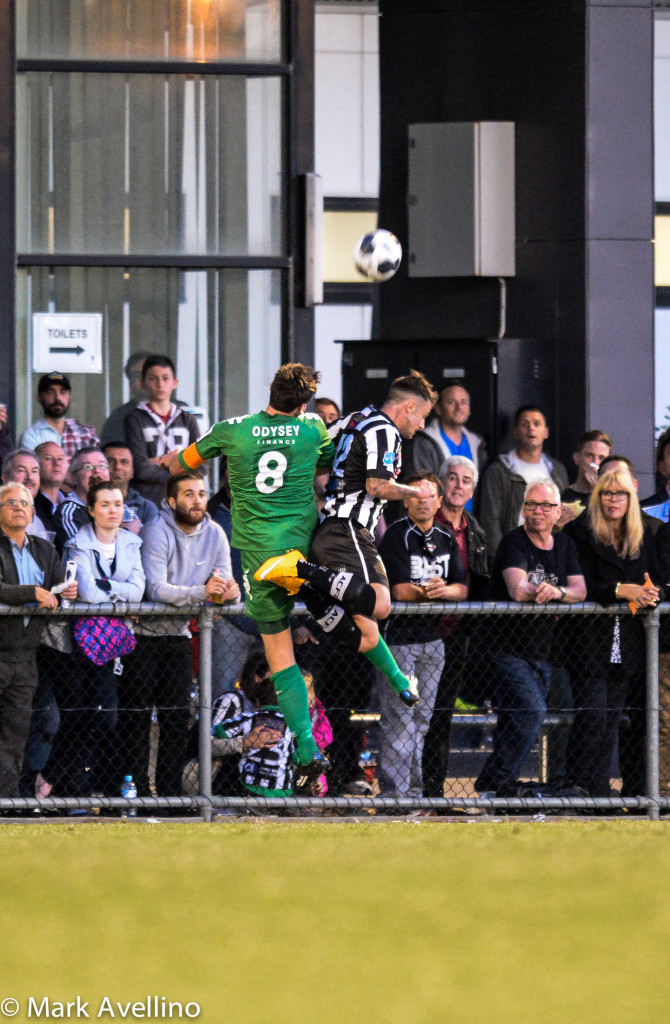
(178, 565)
(126, 582)
(148, 437)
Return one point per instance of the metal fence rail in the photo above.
(489, 626)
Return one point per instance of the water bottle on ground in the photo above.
(129, 791)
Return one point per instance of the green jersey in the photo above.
(272, 462)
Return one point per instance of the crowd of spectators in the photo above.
(67, 499)
(510, 529)
(545, 540)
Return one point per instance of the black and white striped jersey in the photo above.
(367, 446)
(412, 555)
(268, 768)
(229, 705)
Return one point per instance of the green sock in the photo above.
(381, 658)
(294, 706)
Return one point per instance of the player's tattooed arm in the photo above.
(389, 490)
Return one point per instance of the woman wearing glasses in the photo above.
(617, 553)
(109, 568)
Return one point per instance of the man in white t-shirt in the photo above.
(508, 476)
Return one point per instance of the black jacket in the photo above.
(14, 635)
(7, 444)
(659, 498)
(663, 553)
(480, 578)
(603, 569)
(45, 511)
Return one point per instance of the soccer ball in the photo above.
(377, 255)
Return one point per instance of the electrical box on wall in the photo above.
(461, 200)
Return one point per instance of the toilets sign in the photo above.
(68, 342)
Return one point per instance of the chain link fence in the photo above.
(523, 709)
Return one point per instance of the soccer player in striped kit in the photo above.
(345, 567)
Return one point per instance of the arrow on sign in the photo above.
(71, 351)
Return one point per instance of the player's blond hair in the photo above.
(414, 385)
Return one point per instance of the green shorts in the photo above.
(264, 601)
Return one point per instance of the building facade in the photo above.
(153, 155)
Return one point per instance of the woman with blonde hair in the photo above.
(616, 517)
(617, 553)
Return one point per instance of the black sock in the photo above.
(332, 618)
(347, 588)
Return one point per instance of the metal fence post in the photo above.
(651, 628)
(205, 710)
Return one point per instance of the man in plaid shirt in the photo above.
(53, 394)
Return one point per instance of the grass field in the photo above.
(396, 922)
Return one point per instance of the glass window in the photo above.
(202, 30)
(662, 251)
(221, 328)
(147, 164)
(341, 231)
(332, 325)
(662, 369)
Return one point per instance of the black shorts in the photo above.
(345, 544)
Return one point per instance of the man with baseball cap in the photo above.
(53, 394)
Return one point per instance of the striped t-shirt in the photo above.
(268, 768)
(367, 446)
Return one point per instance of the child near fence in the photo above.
(265, 766)
(322, 730)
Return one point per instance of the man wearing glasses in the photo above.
(532, 564)
(29, 568)
(88, 465)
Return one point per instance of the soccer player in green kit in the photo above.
(273, 457)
